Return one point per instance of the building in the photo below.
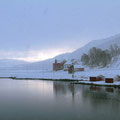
(78, 68)
(58, 65)
(67, 65)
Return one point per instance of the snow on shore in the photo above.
(100, 83)
(35, 74)
(108, 73)
(62, 75)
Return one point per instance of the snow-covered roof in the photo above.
(60, 61)
(78, 66)
(68, 62)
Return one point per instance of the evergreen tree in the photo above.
(96, 57)
(85, 59)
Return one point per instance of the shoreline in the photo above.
(96, 84)
(73, 81)
(14, 78)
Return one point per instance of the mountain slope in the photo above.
(102, 43)
(47, 64)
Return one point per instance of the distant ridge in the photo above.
(7, 63)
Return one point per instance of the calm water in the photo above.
(47, 100)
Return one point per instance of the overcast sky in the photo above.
(34, 30)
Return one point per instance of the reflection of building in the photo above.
(58, 65)
(62, 87)
(110, 89)
(95, 88)
(93, 96)
(96, 93)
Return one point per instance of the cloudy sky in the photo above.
(34, 30)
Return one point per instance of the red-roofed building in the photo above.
(58, 65)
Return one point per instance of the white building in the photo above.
(67, 65)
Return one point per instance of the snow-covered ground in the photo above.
(35, 74)
(108, 73)
(61, 75)
(84, 75)
(100, 83)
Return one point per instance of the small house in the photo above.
(67, 65)
(93, 79)
(109, 80)
(78, 68)
(98, 78)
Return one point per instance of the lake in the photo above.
(55, 100)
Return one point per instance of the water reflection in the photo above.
(109, 89)
(48, 100)
(65, 88)
(95, 97)
(95, 88)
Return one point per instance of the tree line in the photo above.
(98, 57)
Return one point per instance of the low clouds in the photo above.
(32, 55)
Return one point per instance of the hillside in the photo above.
(47, 64)
(102, 43)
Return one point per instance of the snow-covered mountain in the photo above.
(47, 64)
(102, 43)
(42, 65)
